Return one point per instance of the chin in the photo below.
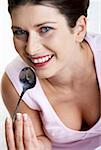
(44, 75)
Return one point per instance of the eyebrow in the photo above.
(15, 27)
(37, 25)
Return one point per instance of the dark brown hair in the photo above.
(71, 9)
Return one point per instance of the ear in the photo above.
(80, 29)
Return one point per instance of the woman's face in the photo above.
(43, 39)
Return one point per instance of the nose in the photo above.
(33, 43)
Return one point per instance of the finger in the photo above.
(29, 140)
(19, 131)
(33, 135)
(9, 134)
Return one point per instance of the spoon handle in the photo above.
(15, 111)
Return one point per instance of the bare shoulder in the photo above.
(10, 97)
(7, 93)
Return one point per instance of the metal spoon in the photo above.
(28, 79)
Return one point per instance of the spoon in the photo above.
(28, 79)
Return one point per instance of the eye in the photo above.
(21, 34)
(45, 29)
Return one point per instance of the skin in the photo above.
(72, 62)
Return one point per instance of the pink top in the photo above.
(62, 137)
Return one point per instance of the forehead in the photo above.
(36, 13)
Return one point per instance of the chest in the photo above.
(77, 109)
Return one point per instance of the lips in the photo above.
(41, 60)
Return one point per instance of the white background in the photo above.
(7, 51)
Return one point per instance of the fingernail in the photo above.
(18, 116)
(25, 116)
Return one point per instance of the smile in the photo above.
(40, 60)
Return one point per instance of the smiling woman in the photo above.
(7, 50)
(62, 111)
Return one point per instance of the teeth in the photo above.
(35, 61)
(41, 60)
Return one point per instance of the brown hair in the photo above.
(71, 9)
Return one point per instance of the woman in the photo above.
(63, 110)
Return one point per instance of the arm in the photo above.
(10, 97)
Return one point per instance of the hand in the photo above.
(20, 135)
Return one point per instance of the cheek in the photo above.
(19, 46)
(61, 44)
(59, 40)
(54, 42)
